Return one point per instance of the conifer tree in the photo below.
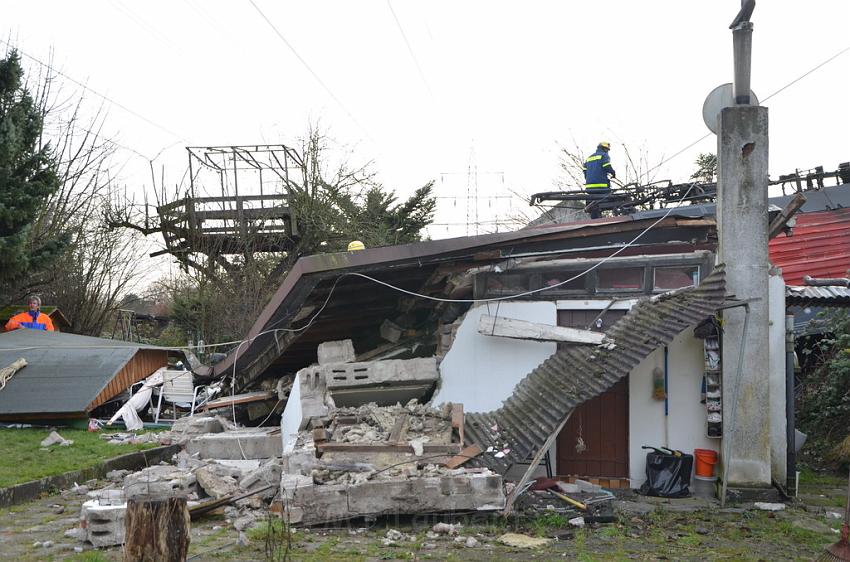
(27, 176)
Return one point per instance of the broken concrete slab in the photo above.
(523, 541)
(216, 480)
(341, 351)
(244, 466)
(236, 445)
(269, 473)
(159, 481)
(56, 439)
(299, 461)
(334, 502)
(197, 425)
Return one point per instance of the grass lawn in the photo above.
(22, 459)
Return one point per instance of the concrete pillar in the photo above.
(742, 222)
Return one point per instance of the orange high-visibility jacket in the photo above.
(26, 320)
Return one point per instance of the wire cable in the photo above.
(339, 278)
(308, 67)
(410, 49)
(783, 88)
(95, 92)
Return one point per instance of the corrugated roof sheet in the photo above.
(64, 372)
(544, 398)
(833, 295)
(819, 247)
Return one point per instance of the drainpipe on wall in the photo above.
(666, 400)
(790, 415)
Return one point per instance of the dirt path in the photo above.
(646, 529)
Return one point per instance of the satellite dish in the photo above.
(720, 97)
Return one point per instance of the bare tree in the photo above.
(97, 266)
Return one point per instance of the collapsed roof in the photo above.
(325, 297)
(67, 375)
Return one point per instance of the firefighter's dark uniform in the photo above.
(597, 167)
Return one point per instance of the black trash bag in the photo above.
(667, 476)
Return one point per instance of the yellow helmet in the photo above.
(356, 245)
(605, 144)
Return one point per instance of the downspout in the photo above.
(790, 414)
(666, 400)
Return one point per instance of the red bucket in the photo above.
(705, 461)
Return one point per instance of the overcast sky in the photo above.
(496, 84)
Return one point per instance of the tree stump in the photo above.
(156, 530)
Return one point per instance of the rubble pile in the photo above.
(329, 462)
(371, 460)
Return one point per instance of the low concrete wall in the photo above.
(31, 490)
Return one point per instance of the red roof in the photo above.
(820, 247)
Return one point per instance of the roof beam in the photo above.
(522, 330)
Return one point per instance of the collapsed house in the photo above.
(68, 377)
(423, 377)
(567, 368)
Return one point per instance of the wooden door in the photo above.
(595, 441)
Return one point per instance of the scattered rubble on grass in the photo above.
(56, 439)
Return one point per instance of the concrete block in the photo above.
(217, 480)
(386, 382)
(341, 351)
(269, 473)
(313, 391)
(299, 461)
(236, 445)
(160, 481)
(103, 525)
(108, 496)
(242, 465)
(390, 331)
(391, 371)
(197, 425)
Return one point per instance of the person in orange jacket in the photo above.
(32, 319)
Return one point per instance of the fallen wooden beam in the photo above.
(246, 398)
(382, 448)
(399, 429)
(781, 220)
(520, 329)
(465, 455)
(457, 421)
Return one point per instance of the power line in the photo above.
(307, 66)
(410, 49)
(794, 81)
(786, 86)
(103, 96)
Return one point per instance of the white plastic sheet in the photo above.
(130, 410)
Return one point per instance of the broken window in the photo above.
(624, 279)
(553, 278)
(507, 283)
(675, 277)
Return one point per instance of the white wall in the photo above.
(291, 418)
(684, 427)
(776, 335)
(481, 371)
